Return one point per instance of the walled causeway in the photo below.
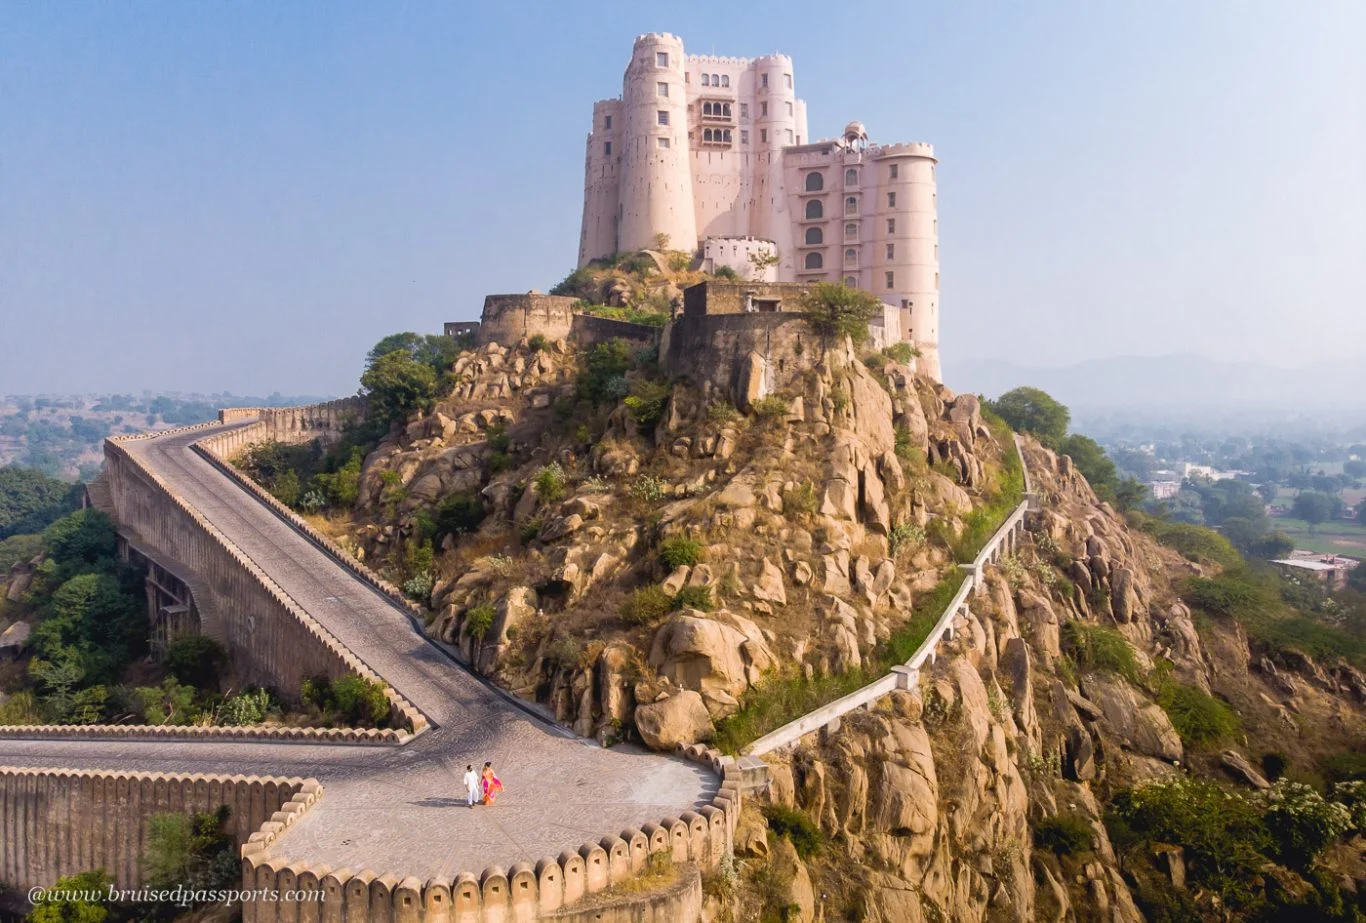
(376, 821)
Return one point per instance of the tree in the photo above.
(1361, 512)
(762, 261)
(396, 385)
(30, 500)
(836, 310)
(79, 540)
(1313, 507)
(82, 898)
(1092, 462)
(435, 351)
(1033, 411)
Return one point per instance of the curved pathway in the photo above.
(396, 809)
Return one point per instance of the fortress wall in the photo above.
(272, 640)
(508, 318)
(60, 822)
(587, 330)
(305, 423)
(710, 351)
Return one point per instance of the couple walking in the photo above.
(482, 787)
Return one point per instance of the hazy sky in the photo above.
(245, 196)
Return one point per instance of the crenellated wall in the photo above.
(60, 822)
(293, 425)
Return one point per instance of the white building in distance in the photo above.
(705, 150)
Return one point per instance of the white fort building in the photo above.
(714, 152)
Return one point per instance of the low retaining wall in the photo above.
(906, 676)
(273, 640)
(60, 822)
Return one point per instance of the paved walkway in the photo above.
(397, 809)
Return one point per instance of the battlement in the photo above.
(910, 148)
(653, 37)
(719, 59)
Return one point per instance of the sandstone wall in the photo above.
(271, 640)
(587, 330)
(59, 822)
(508, 318)
(711, 351)
(299, 424)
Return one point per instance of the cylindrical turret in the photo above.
(775, 127)
(656, 179)
(601, 183)
(908, 245)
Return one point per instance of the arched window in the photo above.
(706, 134)
(851, 281)
(725, 80)
(725, 109)
(851, 230)
(851, 177)
(851, 205)
(814, 236)
(715, 80)
(706, 81)
(814, 261)
(850, 256)
(814, 209)
(706, 108)
(815, 182)
(727, 136)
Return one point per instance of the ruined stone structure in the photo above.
(701, 148)
(508, 319)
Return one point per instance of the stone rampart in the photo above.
(587, 330)
(60, 822)
(713, 351)
(508, 318)
(271, 639)
(293, 425)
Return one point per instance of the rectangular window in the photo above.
(893, 173)
(891, 251)
(763, 80)
(663, 116)
(891, 225)
(607, 122)
(661, 142)
(891, 280)
(789, 136)
(661, 59)
(891, 200)
(744, 110)
(789, 108)
(763, 136)
(744, 136)
(661, 89)
(607, 149)
(788, 79)
(763, 109)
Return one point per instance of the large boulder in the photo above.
(724, 653)
(680, 719)
(1136, 721)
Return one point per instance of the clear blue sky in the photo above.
(245, 196)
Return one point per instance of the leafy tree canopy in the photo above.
(433, 350)
(1033, 411)
(836, 310)
(397, 385)
(30, 500)
(1315, 507)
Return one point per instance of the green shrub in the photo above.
(1195, 543)
(1228, 595)
(246, 708)
(550, 483)
(771, 407)
(193, 851)
(1198, 717)
(900, 353)
(647, 489)
(479, 619)
(1093, 647)
(1065, 834)
(169, 703)
(601, 368)
(693, 597)
(647, 402)
(1302, 823)
(798, 829)
(802, 500)
(679, 552)
(726, 272)
(196, 660)
(1274, 765)
(904, 535)
(538, 343)
(59, 903)
(457, 514)
(497, 437)
(350, 699)
(646, 606)
(1350, 765)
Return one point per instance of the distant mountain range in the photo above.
(1191, 385)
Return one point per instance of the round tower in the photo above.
(915, 241)
(656, 177)
(601, 183)
(775, 127)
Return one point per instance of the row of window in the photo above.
(716, 110)
(714, 81)
(814, 238)
(816, 209)
(815, 181)
(718, 136)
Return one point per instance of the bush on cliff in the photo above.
(1033, 411)
(30, 500)
(397, 385)
(834, 311)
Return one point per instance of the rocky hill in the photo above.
(658, 565)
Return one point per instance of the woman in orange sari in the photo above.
(491, 784)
